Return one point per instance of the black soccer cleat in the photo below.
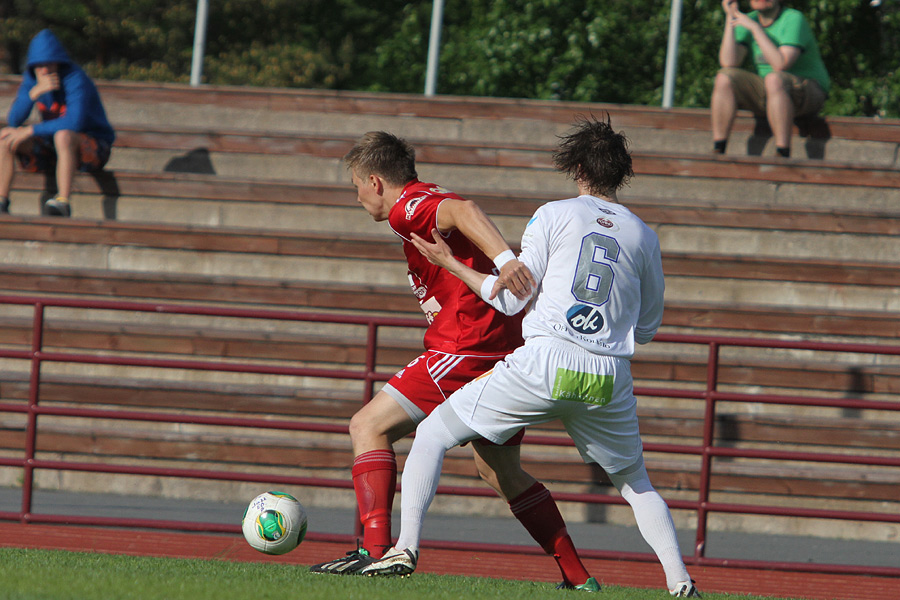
(350, 564)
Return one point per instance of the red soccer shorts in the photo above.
(431, 378)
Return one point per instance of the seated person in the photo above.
(74, 133)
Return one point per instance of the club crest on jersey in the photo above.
(585, 319)
(603, 222)
(418, 289)
(411, 205)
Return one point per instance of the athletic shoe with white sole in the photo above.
(590, 585)
(346, 565)
(55, 207)
(394, 562)
(685, 589)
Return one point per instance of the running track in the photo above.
(480, 564)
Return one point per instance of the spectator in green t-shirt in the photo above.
(789, 81)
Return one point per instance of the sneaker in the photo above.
(590, 585)
(346, 565)
(4, 206)
(685, 589)
(394, 562)
(58, 208)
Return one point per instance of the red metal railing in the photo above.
(368, 374)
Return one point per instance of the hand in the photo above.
(739, 18)
(517, 278)
(46, 82)
(729, 6)
(438, 253)
(12, 137)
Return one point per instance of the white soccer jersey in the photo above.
(600, 273)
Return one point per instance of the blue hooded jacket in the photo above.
(75, 106)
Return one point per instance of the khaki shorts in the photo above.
(750, 92)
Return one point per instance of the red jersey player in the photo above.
(464, 339)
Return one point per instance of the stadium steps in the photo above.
(341, 346)
(509, 168)
(861, 279)
(233, 447)
(261, 292)
(285, 402)
(873, 141)
(749, 218)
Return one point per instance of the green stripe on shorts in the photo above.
(589, 388)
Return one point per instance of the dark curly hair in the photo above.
(383, 154)
(595, 155)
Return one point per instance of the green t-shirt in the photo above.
(789, 29)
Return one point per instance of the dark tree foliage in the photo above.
(582, 50)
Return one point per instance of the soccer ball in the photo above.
(274, 523)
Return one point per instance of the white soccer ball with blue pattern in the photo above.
(274, 523)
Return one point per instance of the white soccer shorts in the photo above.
(549, 379)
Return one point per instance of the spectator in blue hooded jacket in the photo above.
(73, 133)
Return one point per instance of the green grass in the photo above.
(53, 574)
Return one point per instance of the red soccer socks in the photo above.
(375, 481)
(538, 513)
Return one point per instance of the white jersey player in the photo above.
(600, 290)
(600, 272)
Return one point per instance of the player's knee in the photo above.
(361, 428)
(65, 138)
(775, 83)
(722, 82)
(489, 476)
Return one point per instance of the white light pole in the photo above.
(199, 41)
(672, 54)
(434, 47)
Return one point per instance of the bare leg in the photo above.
(66, 143)
(373, 431)
(532, 504)
(8, 166)
(501, 468)
(378, 424)
(723, 107)
(779, 110)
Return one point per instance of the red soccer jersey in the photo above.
(460, 322)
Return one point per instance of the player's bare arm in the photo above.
(780, 58)
(47, 81)
(440, 254)
(475, 225)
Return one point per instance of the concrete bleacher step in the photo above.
(692, 317)
(858, 279)
(336, 346)
(751, 245)
(509, 167)
(231, 446)
(479, 120)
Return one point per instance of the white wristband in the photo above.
(503, 258)
(487, 286)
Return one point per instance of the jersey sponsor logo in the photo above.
(602, 222)
(410, 207)
(431, 308)
(589, 388)
(585, 319)
(606, 211)
(442, 191)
